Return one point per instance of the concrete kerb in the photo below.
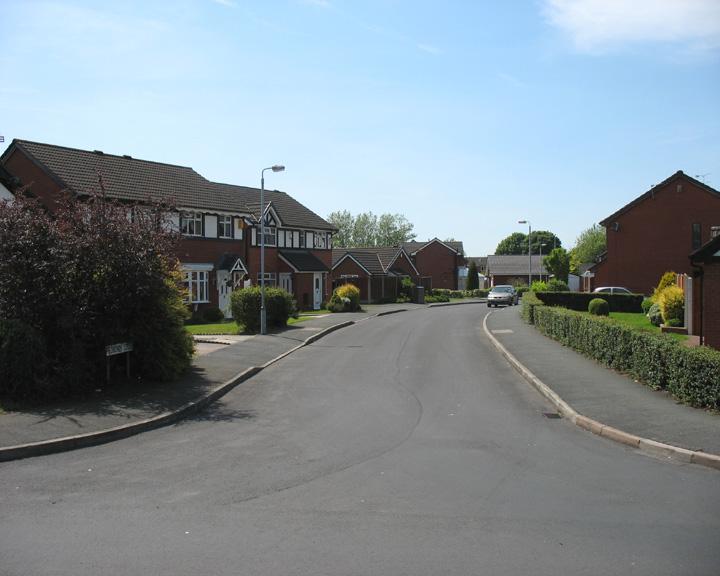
(645, 445)
(441, 304)
(119, 432)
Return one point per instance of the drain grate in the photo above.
(552, 415)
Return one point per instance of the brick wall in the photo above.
(440, 263)
(45, 188)
(655, 236)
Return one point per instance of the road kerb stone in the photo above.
(647, 446)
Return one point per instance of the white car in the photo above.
(502, 294)
(612, 290)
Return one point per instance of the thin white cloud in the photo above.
(600, 25)
(229, 3)
(429, 48)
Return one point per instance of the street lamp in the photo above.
(529, 250)
(263, 316)
(541, 262)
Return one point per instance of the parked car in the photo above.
(612, 290)
(502, 294)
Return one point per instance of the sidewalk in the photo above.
(602, 394)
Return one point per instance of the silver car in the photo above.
(612, 290)
(502, 294)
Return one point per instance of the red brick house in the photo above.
(377, 272)
(656, 232)
(706, 261)
(437, 262)
(219, 223)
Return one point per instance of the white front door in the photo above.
(317, 290)
(286, 282)
(224, 291)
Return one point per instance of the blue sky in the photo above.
(463, 116)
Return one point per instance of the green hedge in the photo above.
(690, 374)
(580, 300)
(529, 302)
(245, 305)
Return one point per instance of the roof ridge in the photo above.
(123, 156)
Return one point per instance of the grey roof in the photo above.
(303, 261)
(127, 178)
(414, 246)
(480, 262)
(375, 260)
(505, 265)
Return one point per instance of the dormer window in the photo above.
(191, 223)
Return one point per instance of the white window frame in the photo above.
(320, 240)
(197, 283)
(270, 236)
(225, 226)
(270, 279)
(191, 223)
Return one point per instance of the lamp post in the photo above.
(529, 250)
(541, 261)
(263, 316)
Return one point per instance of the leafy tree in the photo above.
(364, 229)
(473, 282)
(557, 263)
(516, 243)
(367, 229)
(588, 247)
(343, 221)
(393, 229)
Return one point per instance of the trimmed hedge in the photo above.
(580, 300)
(245, 305)
(529, 302)
(690, 374)
(598, 307)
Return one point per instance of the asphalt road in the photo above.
(402, 445)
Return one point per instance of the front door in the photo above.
(317, 290)
(224, 291)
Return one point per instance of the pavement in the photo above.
(590, 395)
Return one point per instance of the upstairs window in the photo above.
(191, 223)
(320, 240)
(225, 227)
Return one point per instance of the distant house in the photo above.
(438, 262)
(219, 223)
(512, 269)
(7, 184)
(656, 232)
(377, 272)
(706, 261)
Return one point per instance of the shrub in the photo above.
(529, 302)
(667, 279)
(23, 362)
(556, 285)
(599, 307)
(646, 305)
(477, 293)
(672, 303)
(245, 304)
(674, 323)
(213, 314)
(521, 289)
(345, 298)
(690, 374)
(85, 276)
(539, 286)
(436, 296)
(655, 315)
(580, 300)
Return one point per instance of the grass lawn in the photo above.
(228, 327)
(638, 321)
